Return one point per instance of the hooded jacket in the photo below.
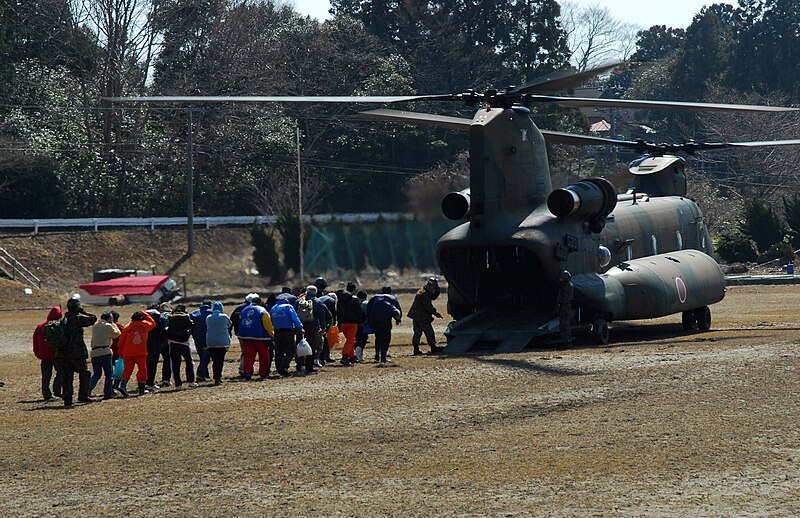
(381, 309)
(133, 340)
(198, 317)
(284, 316)
(218, 328)
(40, 348)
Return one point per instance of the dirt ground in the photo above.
(659, 423)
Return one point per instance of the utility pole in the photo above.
(299, 197)
(190, 181)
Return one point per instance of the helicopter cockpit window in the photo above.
(604, 256)
(678, 240)
(654, 242)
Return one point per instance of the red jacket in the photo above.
(115, 343)
(133, 340)
(40, 348)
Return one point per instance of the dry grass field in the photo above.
(659, 423)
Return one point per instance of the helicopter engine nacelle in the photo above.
(456, 205)
(590, 200)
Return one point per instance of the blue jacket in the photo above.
(199, 325)
(381, 309)
(218, 328)
(255, 323)
(284, 316)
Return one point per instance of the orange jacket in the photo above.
(133, 340)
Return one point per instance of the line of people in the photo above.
(284, 327)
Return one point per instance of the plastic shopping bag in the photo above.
(303, 348)
(119, 366)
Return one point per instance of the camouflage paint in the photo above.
(506, 258)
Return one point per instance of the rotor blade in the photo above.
(190, 99)
(557, 137)
(691, 146)
(663, 105)
(561, 80)
(427, 119)
(765, 143)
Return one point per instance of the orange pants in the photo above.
(141, 371)
(349, 331)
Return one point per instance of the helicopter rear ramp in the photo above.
(499, 332)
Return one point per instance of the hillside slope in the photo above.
(64, 260)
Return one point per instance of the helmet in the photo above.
(320, 283)
(432, 282)
(564, 277)
(73, 303)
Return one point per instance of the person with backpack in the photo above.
(179, 331)
(348, 315)
(133, 349)
(103, 334)
(255, 329)
(72, 355)
(198, 317)
(381, 310)
(314, 316)
(46, 356)
(421, 314)
(218, 339)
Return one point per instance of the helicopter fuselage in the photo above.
(630, 255)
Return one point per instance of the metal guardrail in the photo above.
(96, 223)
(16, 268)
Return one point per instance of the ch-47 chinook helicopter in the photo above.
(642, 254)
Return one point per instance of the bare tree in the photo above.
(595, 36)
(426, 190)
(124, 31)
(276, 194)
(765, 172)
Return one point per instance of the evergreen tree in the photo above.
(657, 42)
(762, 225)
(791, 212)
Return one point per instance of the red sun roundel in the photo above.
(679, 284)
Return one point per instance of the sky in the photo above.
(644, 13)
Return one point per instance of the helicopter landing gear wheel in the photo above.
(688, 319)
(703, 318)
(600, 332)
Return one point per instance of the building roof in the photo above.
(134, 285)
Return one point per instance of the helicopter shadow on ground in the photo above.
(631, 334)
(525, 365)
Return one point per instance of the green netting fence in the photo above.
(379, 245)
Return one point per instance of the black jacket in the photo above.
(349, 309)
